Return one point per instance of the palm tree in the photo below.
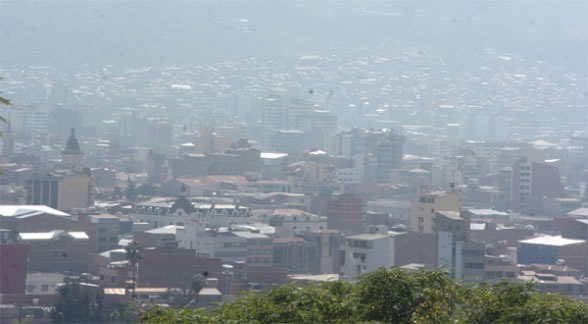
(134, 250)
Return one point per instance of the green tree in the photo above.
(4, 101)
(519, 303)
(276, 220)
(134, 250)
(198, 282)
(78, 304)
(419, 296)
(388, 296)
(187, 297)
(125, 312)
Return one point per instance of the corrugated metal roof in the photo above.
(551, 241)
(29, 210)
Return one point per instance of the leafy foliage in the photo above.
(125, 312)
(78, 304)
(187, 297)
(389, 296)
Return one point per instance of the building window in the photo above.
(45, 288)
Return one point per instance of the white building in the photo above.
(290, 222)
(368, 252)
(223, 244)
(164, 211)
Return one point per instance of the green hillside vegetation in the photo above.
(389, 296)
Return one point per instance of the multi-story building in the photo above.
(387, 148)
(295, 254)
(398, 210)
(423, 209)
(549, 249)
(286, 141)
(164, 211)
(274, 112)
(524, 184)
(107, 230)
(367, 252)
(259, 248)
(380, 247)
(13, 268)
(291, 222)
(548, 283)
(462, 258)
(27, 120)
(328, 244)
(345, 213)
(159, 135)
(57, 251)
(317, 125)
(27, 218)
(61, 190)
(500, 268)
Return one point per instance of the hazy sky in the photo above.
(71, 33)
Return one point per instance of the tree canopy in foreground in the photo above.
(390, 296)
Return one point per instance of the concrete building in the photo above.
(294, 254)
(165, 211)
(386, 146)
(423, 209)
(162, 237)
(292, 222)
(61, 190)
(530, 182)
(367, 252)
(27, 121)
(159, 135)
(328, 244)
(34, 218)
(549, 249)
(107, 230)
(43, 283)
(208, 141)
(259, 248)
(57, 251)
(223, 244)
(274, 113)
(549, 283)
(498, 268)
(345, 213)
(286, 141)
(171, 267)
(380, 247)
(13, 268)
(462, 258)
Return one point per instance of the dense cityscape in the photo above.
(187, 184)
